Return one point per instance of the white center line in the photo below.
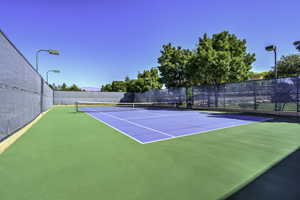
(138, 125)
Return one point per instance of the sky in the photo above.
(105, 40)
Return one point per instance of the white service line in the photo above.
(136, 124)
(160, 115)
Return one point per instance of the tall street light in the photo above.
(50, 51)
(54, 71)
(274, 49)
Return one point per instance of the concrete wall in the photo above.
(20, 90)
(70, 97)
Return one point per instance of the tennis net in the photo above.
(82, 106)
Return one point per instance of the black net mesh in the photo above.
(172, 95)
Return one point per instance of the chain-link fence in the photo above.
(265, 95)
(281, 95)
(23, 92)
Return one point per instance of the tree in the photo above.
(173, 64)
(289, 65)
(258, 75)
(221, 59)
(150, 79)
(297, 45)
(74, 87)
(286, 66)
(127, 79)
(135, 85)
(64, 87)
(106, 88)
(118, 86)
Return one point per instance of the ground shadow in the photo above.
(280, 182)
(255, 117)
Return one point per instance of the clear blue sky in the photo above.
(105, 40)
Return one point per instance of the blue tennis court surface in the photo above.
(147, 126)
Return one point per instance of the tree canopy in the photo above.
(146, 80)
(65, 87)
(286, 66)
(173, 65)
(220, 59)
(258, 75)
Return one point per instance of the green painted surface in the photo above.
(69, 155)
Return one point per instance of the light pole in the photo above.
(274, 49)
(50, 51)
(54, 71)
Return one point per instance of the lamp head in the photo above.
(270, 48)
(53, 52)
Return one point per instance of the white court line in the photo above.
(99, 120)
(195, 133)
(172, 137)
(160, 115)
(138, 125)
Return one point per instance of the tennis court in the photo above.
(49, 151)
(71, 155)
(150, 124)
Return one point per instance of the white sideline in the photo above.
(136, 124)
(99, 120)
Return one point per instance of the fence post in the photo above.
(192, 99)
(42, 93)
(298, 95)
(224, 95)
(208, 97)
(275, 95)
(254, 94)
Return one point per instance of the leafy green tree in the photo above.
(286, 66)
(258, 75)
(173, 64)
(74, 87)
(106, 88)
(221, 59)
(118, 86)
(127, 79)
(150, 79)
(297, 45)
(64, 87)
(135, 85)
